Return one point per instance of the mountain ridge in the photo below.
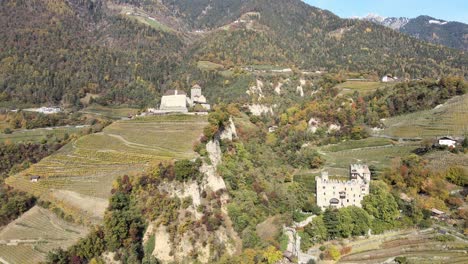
(130, 51)
(452, 34)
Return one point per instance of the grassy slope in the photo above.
(36, 135)
(87, 167)
(361, 86)
(110, 112)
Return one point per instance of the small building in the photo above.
(447, 141)
(389, 78)
(272, 129)
(34, 178)
(45, 110)
(438, 214)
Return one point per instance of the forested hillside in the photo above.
(130, 51)
(311, 38)
(61, 50)
(450, 34)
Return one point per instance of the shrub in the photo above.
(445, 238)
(333, 253)
(186, 169)
(401, 260)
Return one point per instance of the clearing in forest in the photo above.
(78, 178)
(363, 87)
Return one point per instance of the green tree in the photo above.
(58, 256)
(272, 255)
(332, 223)
(91, 246)
(381, 204)
(317, 230)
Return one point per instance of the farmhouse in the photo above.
(447, 141)
(34, 178)
(337, 193)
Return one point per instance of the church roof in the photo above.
(196, 86)
(174, 92)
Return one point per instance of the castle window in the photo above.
(324, 193)
(323, 187)
(347, 200)
(354, 195)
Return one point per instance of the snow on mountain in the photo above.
(374, 18)
(391, 22)
(395, 23)
(437, 22)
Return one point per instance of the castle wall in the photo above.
(354, 192)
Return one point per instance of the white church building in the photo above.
(338, 193)
(177, 101)
(174, 101)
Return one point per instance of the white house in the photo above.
(34, 178)
(447, 141)
(389, 78)
(45, 110)
(337, 193)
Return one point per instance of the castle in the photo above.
(337, 193)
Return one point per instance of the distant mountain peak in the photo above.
(391, 22)
(438, 31)
(374, 17)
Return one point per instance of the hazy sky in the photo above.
(452, 10)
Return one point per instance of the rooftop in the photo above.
(174, 92)
(360, 167)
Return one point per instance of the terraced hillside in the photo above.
(372, 151)
(416, 246)
(449, 118)
(78, 178)
(29, 238)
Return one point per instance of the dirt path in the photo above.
(142, 146)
